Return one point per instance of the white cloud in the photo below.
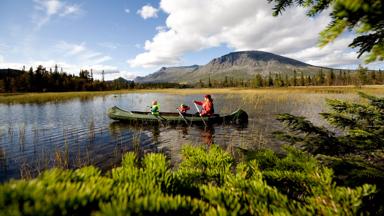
(127, 10)
(335, 54)
(148, 11)
(127, 75)
(70, 9)
(111, 72)
(82, 53)
(51, 8)
(109, 45)
(241, 25)
(116, 74)
(72, 57)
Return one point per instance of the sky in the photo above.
(128, 38)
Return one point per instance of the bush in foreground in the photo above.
(355, 153)
(207, 182)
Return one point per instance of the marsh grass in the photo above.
(52, 96)
(9, 98)
(26, 171)
(91, 131)
(59, 158)
(11, 133)
(136, 144)
(22, 130)
(3, 159)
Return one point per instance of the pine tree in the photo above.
(331, 77)
(270, 80)
(309, 80)
(320, 79)
(357, 154)
(225, 81)
(56, 69)
(286, 80)
(362, 76)
(372, 78)
(302, 80)
(201, 83)
(209, 82)
(365, 18)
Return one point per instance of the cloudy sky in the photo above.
(134, 37)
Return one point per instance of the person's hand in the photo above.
(194, 101)
(200, 114)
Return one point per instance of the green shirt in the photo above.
(155, 109)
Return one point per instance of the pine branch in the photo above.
(300, 124)
(374, 101)
(283, 136)
(339, 120)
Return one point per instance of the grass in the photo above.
(10, 98)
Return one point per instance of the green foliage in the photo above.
(356, 153)
(362, 124)
(364, 17)
(207, 182)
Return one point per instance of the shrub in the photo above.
(355, 153)
(207, 182)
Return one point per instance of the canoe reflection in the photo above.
(171, 134)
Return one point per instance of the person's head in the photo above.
(154, 102)
(208, 97)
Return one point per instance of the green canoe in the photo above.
(237, 117)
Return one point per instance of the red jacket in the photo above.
(183, 109)
(208, 109)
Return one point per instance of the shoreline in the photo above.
(40, 97)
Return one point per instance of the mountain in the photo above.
(245, 65)
(169, 74)
(120, 80)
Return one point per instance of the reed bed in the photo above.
(11, 98)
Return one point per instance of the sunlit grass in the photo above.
(8, 98)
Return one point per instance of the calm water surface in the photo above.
(78, 132)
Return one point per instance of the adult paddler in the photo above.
(207, 106)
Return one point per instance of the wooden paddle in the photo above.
(186, 122)
(160, 118)
(197, 108)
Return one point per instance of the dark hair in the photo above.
(209, 97)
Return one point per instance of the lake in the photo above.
(78, 132)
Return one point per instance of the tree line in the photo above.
(329, 77)
(43, 80)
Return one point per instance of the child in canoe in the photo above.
(155, 108)
(183, 108)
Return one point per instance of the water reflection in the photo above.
(207, 135)
(168, 140)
